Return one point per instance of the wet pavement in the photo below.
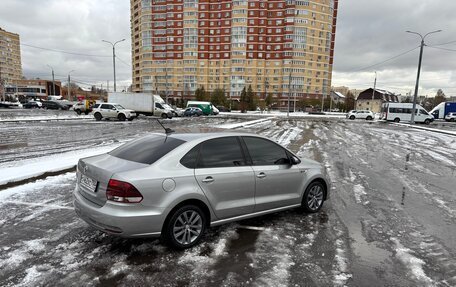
(391, 220)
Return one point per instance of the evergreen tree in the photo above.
(218, 97)
(251, 103)
(350, 101)
(243, 101)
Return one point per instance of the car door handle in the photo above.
(261, 175)
(208, 179)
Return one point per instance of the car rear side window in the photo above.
(221, 152)
(189, 160)
(265, 152)
(147, 150)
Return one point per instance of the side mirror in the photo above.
(294, 160)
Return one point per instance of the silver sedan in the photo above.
(175, 186)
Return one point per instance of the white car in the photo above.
(361, 114)
(113, 111)
(450, 117)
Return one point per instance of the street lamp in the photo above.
(373, 92)
(412, 121)
(114, 58)
(69, 85)
(53, 82)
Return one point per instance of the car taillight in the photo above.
(120, 191)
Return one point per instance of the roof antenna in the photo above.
(167, 130)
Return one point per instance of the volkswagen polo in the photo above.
(176, 186)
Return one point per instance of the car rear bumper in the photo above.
(125, 220)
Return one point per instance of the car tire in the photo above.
(78, 112)
(131, 118)
(98, 116)
(121, 117)
(86, 113)
(369, 118)
(352, 117)
(313, 198)
(396, 120)
(427, 121)
(164, 116)
(185, 227)
(451, 120)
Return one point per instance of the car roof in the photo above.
(205, 136)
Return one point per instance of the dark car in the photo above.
(193, 112)
(223, 109)
(54, 105)
(32, 105)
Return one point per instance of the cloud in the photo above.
(369, 32)
(75, 26)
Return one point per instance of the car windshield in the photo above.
(147, 150)
(119, 107)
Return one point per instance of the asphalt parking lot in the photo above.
(390, 221)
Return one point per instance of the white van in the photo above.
(402, 112)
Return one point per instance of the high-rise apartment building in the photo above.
(278, 47)
(10, 57)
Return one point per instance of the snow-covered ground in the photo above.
(389, 220)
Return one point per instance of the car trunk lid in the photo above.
(95, 172)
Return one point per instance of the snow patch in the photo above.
(39, 185)
(412, 263)
(359, 191)
(31, 168)
(244, 124)
(440, 157)
(288, 136)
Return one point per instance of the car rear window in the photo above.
(147, 150)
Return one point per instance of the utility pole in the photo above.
(373, 92)
(289, 91)
(412, 120)
(166, 90)
(2, 85)
(69, 85)
(53, 81)
(114, 58)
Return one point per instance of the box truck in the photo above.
(142, 103)
(443, 109)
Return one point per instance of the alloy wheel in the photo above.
(187, 227)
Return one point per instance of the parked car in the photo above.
(193, 112)
(361, 114)
(174, 186)
(223, 109)
(33, 105)
(215, 111)
(450, 117)
(113, 111)
(54, 105)
(84, 106)
(178, 112)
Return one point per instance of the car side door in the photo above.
(105, 110)
(225, 178)
(278, 182)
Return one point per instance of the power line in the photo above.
(439, 48)
(387, 60)
(122, 61)
(64, 52)
(443, 44)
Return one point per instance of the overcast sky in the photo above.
(368, 33)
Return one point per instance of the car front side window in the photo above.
(265, 152)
